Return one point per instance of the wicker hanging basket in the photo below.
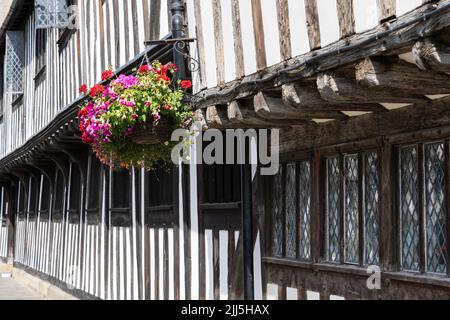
(148, 134)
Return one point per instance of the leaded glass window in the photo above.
(291, 200)
(14, 62)
(333, 197)
(305, 207)
(290, 210)
(352, 205)
(51, 14)
(277, 213)
(409, 201)
(436, 212)
(351, 209)
(371, 209)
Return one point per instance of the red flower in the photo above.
(144, 69)
(82, 113)
(164, 77)
(172, 67)
(107, 74)
(83, 89)
(96, 90)
(167, 107)
(86, 139)
(186, 84)
(162, 71)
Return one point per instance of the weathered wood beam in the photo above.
(408, 119)
(402, 33)
(217, 117)
(339, 88)
(431, 55)
(269, 107)
(241, 114)
(394, 75)
(305, 96)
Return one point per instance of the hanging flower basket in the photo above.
(130, 121)
(151, 134)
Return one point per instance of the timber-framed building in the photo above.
(359, 90)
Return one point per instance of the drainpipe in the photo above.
(247, 224)
(177, 9)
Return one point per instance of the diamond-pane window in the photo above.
(305, 206)
(277, 212)
(291, 203)
(14, 62)
(51, 14)
(371, 205)
(409, 208)
(291, 189)
(333, 196)
(435, 210)
(351, 209)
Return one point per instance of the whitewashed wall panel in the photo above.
(366, 14)
(297, 26)
(271, 33)
(404, 6)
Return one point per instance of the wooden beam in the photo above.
(394, 122)
(386, 9)
(401, 77)
(269, 107)
(339, 88)
(242, 114)
(216, 117)
(402, 33)
(305, 96)
(346, 18)
(431, 55)
(312, 23)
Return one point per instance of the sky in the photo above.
(4, 9)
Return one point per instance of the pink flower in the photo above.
(129, 131)
(148, 104)
(127, 103)
(134, 116)
(126, 81)
(156, 116)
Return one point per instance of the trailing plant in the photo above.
(146, 100)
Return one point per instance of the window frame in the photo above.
(359, 148)
(419, 143)
(286, 159)
(40, 55)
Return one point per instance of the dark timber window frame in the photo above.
(271, 196)
(361, 175)
(40, 55)
(420, 147)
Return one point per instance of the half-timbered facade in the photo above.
(359, 208)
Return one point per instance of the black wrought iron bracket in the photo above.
(181, 46)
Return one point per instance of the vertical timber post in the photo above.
(177, 9)
(247, 223)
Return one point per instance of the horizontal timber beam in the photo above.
(274, 108)
(375, 125)
(395, 76)
(335, 87)
(432, 55)
(405, 31)
(306, 96)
